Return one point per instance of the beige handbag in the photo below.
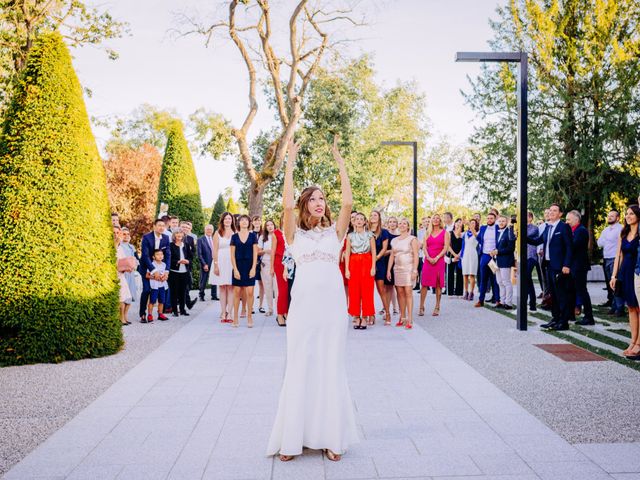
(493, 266)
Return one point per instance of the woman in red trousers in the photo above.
(360, 270)
(278, 247)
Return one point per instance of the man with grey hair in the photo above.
(608, 242)
(580, 265)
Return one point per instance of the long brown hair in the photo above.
(627, 227)
(304, 217)
(265, 232)
(378, 229)
(221, 223)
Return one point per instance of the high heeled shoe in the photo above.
(400, 323)
(334, 457)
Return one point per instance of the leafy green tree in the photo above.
(218, 209)
(346, 99)
(58, 280)
(584, 104)
(178, 182)
(232, 206)
(21, 22)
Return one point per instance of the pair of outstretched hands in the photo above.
(293, 148)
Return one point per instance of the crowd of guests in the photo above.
(380, 256)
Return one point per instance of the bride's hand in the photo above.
(293, 148)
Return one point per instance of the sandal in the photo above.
(286, 458)
(409, 326)
(436, 312)
(421, 312)
(400, 323)
(334, 457)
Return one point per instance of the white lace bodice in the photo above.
(319, 244)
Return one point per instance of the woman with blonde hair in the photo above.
(315, 409)
(436, 244)
(404, 261)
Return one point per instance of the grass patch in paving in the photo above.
(633, 364)
(599, 337)
(620, 331)
(601, 312)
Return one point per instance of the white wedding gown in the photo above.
(315, 408)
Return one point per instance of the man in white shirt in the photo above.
(608, 241)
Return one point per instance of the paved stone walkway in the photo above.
(201, 407)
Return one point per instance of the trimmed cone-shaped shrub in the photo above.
(218, 209)
(58, 281)
(232, 206)
(178, 182)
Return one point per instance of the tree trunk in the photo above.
(256, 200)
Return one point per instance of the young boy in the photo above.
(158, 281)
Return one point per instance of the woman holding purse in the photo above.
(125, 263)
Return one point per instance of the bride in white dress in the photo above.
(315, 408)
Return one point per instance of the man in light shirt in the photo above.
(487, 240)
(608, 241)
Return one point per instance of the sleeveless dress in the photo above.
(315, 409)
(626, 271)
(383, 262)
(402, 261)
(224, 263)
(244, 259)
(469, 254)
(433, 275)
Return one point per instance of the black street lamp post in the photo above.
(521, 58)
(415, 178)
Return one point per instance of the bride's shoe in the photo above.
(334, 457)
(286, 458)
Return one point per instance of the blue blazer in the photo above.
(580, 257)
(148, 246)
(560, 245)
(481, 233)
(506, 248)
(204, 251)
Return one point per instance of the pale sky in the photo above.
(409, 40)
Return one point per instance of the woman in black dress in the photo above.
(382, 260)
(244, 259)
(454, 272)
(622, 280)
(181, 256)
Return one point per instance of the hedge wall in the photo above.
(58, 281)
(178, 182)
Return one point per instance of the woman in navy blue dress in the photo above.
(382, 260)
(623, 276)
(244, 259)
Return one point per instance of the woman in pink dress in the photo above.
(436, 244)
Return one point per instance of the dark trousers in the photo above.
(417, 286)
(204, 278)
(144, 296)
(532, 263)
(544, 266)
(541, 278)
(486, 277)
(617, 303)
(454, 280)
(580, 283)
(177, 286)
(561, 301)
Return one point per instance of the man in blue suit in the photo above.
(487, 240)
(557, 250)
(580, 265)
(505, 258)
(205, 252)
(150, 242)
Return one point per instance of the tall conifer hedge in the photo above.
(58, 280)
(178, 182)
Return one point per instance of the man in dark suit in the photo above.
(150, 242)
(505, 258)
(487, 238)
(557, 250)
(205, 255)
(580, 265)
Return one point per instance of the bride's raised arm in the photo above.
(288, 202)
(344, 217)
